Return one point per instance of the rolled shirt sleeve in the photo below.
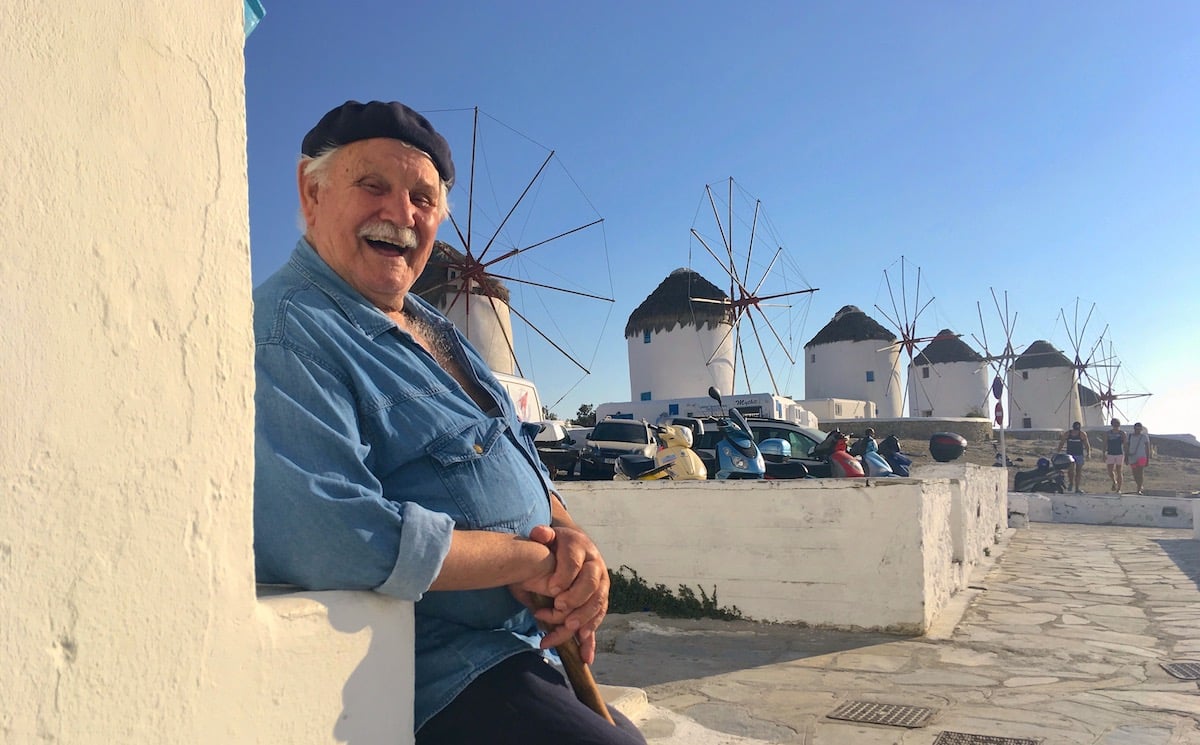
(321, 520)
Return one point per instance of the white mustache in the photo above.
(405, 238)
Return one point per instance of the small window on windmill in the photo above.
(646, 396)
(870, 376)
(837, 409)
(812, 357)
(1024, 375)
(925, 371)
(927, 412)
(646, 336)
(1027, 423)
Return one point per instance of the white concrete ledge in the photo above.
(847, 553)
(1132, 510)
(339, 665)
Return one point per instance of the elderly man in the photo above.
(389, 458)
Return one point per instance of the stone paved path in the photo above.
(1062, 639)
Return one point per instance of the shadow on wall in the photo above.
(374, 706)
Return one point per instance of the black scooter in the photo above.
(1048, 477)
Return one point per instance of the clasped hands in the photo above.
(577, 586)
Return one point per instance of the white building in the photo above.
(854, 357)
(481, 312)
(947, 379)
(1043, 392)
(679, 344)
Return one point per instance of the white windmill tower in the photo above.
(947, 379)
(1043, 389)
(854, 357)
(679, 346)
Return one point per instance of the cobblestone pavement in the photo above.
(1062, 640)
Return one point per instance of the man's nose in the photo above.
(399, 209)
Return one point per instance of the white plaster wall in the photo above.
(833, 409)
(675, 364)
(839, 370)
(952, 389)
(487, 322)
(864, 553)
(1131, 510)
(979, 507)
(1049, 398)
(126, 569)
(337, 667)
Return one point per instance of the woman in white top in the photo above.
(1137, 453)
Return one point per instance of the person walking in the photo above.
(1076, 443)
(1137, 454)
(1114, 454)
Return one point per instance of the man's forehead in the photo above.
(382, 153)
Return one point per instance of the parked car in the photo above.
(611, 438)
(556, 449)
(801, 439)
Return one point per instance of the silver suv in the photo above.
(613, 437)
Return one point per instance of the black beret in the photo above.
(353, 121)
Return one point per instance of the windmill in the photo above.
(1084, 361)
(1097, 365)
(1106, 383)
(1001, 363)
(526, 242)
(904, 319)
(747, 297)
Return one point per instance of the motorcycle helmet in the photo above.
(1043, 464)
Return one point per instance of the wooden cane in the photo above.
(577, 670)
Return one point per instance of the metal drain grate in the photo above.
(893, 715)
(966, 738)
(1183, 670)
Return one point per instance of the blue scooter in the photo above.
(738, 457)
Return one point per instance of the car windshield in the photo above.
(634, 432)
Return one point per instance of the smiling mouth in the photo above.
(386, 247)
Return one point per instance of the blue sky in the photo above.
(1050, 151)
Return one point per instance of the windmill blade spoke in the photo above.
(763, 352)
(753, 228)
(717, 216)
(773, 333)
(770, 265)
(564, 234)
(578, 293)
(548, 340)
(516, 204)
(778, 295)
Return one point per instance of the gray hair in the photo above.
(317, 168)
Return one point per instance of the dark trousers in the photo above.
(524, 701)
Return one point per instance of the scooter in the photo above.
(1048, 477)
(889, 448)
(738, 457)
(842, 465)
(873, 463)
(674, 459)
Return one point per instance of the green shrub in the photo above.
(630, 593)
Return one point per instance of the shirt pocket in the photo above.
(487, 476)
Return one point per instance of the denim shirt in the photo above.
(368, 455)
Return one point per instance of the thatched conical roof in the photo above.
(1041, 354)
(851, 324)
(671, 305)
(433, 284)
(947, 347)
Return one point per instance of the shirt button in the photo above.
(478, 448)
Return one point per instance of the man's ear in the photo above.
(307, 187)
